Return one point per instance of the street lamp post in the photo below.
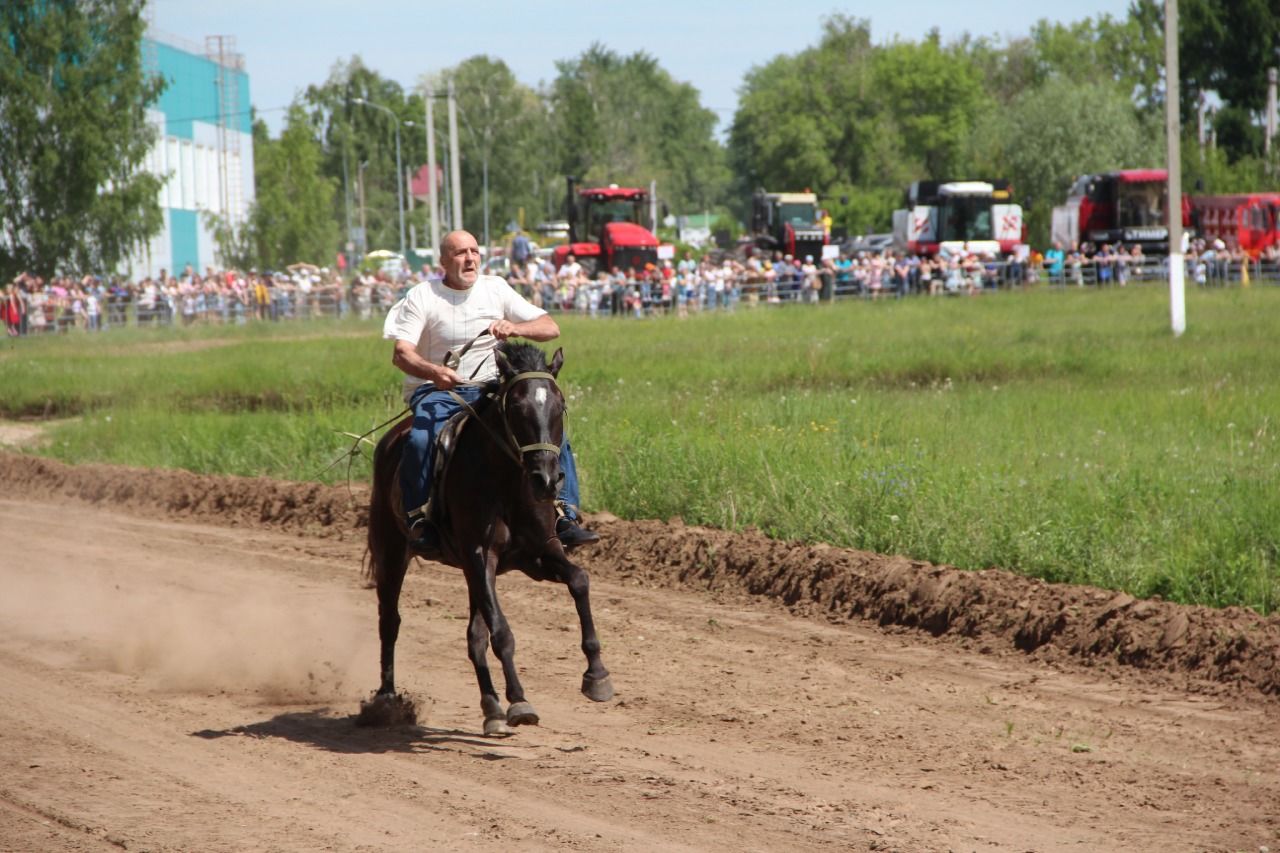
(399, 171)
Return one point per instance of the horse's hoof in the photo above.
(497, 727)
(388, 709)
(597, 689)
(522, 714)
(491, 707)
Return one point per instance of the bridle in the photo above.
(512, 442)
(511, 446)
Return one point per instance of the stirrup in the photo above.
(424, 538)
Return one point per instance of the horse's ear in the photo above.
(504, 366)
(557, 361)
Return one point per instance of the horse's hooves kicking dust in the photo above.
(385, 709)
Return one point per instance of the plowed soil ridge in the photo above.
(994, 611)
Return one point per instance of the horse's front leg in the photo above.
(596, 684)
(482, 590)
(495, 717)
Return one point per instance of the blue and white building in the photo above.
(204, 149)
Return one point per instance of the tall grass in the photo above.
(1064, 435)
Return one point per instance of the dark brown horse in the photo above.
(498, 514)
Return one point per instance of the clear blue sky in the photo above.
(290, 44)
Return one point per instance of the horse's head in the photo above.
(533, 412)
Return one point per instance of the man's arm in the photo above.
(407, 360)
(543, 328)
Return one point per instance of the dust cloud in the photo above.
(282, 642)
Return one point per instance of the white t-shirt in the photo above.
(438, 319)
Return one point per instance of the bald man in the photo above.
(436, 318)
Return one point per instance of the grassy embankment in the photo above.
(1064, 435)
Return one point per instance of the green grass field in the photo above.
(1065, 435)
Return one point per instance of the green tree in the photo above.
(856, 122)
(292, 218)
(1128, 53)
(625, 120)
(74, 135)
(505, 142)
(358, 145)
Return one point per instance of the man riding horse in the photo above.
(453, 316)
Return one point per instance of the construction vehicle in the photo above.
(1248, 220)
(949, 217)
(1127, 206)
(788, 223)
(606, 230)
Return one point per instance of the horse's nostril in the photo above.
(559, 479)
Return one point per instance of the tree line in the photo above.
(851, 119)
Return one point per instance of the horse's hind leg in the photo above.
(596, 684)
(389, 584)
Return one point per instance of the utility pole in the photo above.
(455, 163)
(395, 119)
(346, 203)
(1270, 121)
(408, 191)
(1200, 108)
(1172, 129)
(364, 227)
(432, 192)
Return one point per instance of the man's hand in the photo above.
(446, 378)
(406, 358)
(502, 329)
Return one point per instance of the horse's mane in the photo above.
(523, 356)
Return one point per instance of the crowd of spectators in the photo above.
(34, 305)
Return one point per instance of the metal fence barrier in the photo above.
(336, 302)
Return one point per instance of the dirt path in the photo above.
(171, 683)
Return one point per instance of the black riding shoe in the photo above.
(426, 541)
(572, 534)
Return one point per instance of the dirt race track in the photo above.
(182, 658)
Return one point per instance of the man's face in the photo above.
(461, 260)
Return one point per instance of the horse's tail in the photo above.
(386, 541)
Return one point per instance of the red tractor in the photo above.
(605, 230)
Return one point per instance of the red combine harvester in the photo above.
(955, 216)
(1248, 220)
(1127, 206)
(605, 230)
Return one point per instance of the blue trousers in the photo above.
(431, 410)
